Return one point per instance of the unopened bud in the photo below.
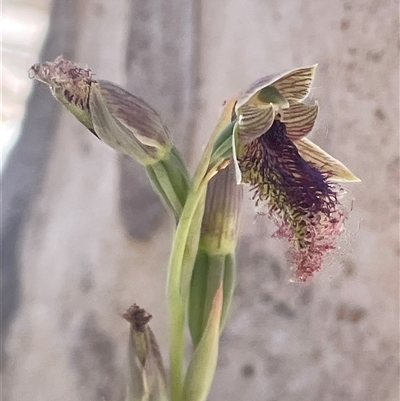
(122, 120)
(219, 230)
(215, 262)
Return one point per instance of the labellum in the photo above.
(299, 197)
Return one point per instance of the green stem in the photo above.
(198, 287)
(222, 152)
(163, 190)
(215, 276)
(177, 346)
(229, 287)
(175, 296)
(166, 189)
(178, 286)
(171, 180)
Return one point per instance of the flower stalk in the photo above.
(184, 250)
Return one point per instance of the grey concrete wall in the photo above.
(82, 253)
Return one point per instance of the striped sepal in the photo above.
(295, 85)
(323, 161)
(254, 121)
(299, 119)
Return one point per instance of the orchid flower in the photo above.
(293, 177)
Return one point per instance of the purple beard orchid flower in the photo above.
(293, 177)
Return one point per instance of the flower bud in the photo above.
(215, 261)
(147, 378)
(220, 225)
(120, 119)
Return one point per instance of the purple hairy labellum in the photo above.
(299, 197)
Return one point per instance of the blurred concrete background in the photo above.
(84, 237)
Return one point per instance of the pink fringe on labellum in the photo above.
(322, 233)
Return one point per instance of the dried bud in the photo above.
(147, 375)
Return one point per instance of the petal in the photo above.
(267, 95)
(292, 85)
(254, 121)
(295, 85)
(116, 134)
(135, 114)
(255, 88)
(299, 119)
(335, 170)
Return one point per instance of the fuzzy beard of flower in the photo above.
(299, 198)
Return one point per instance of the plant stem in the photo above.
(176, 298)
(179, 272)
